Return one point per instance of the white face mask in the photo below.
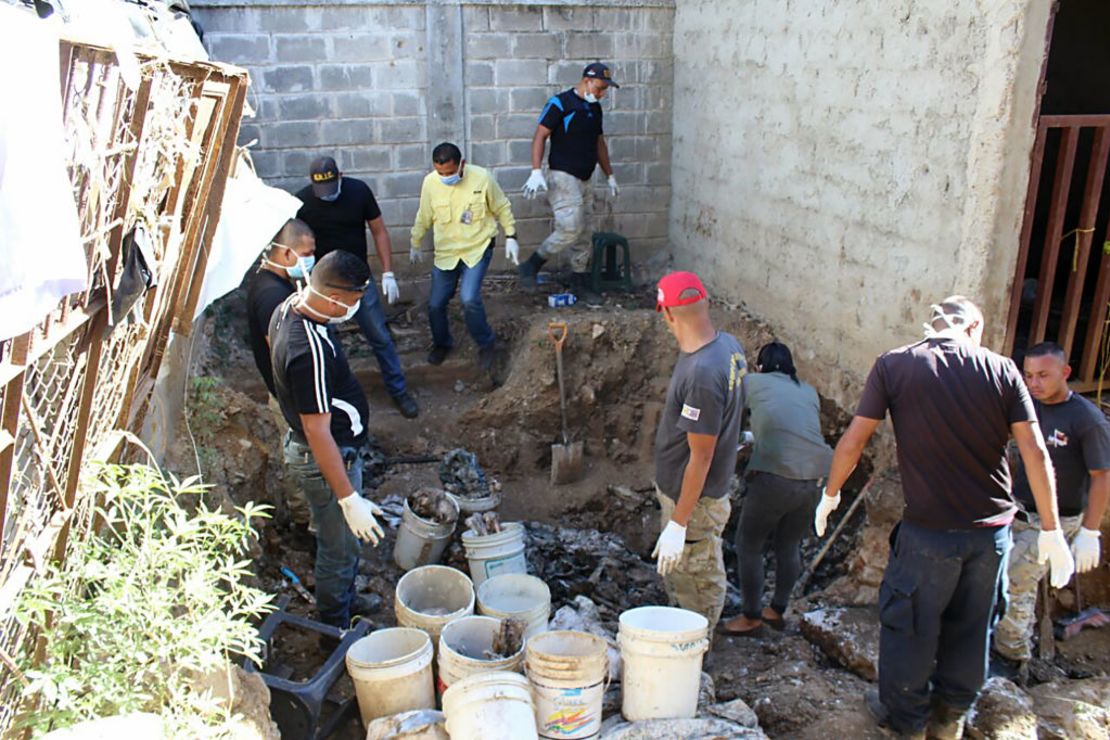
(590, 97)
(351, 310)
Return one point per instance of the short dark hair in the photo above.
(340, 270)
(446, 152)
(775, 357)
(1046, 349)
(292, 232)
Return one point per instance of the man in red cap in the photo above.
(695, 448)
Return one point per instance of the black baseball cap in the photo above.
(324, 175)
(600, 71)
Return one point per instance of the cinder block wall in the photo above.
(379, 83)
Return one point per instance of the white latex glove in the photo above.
(360, 514)
(536, 184)
(415, 256)
(826, 506)
(389, 287)
(1085, 548)
(1053, 549)
(614, 189)
(669, 547)
(512, 251)
(747, 438)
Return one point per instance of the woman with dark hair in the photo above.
(789, 460)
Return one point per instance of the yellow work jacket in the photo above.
(464, 216)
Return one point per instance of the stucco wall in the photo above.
(839, 165)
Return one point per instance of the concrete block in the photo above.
(346, 132)
(365, 158)
(400, 130)
(489, 154)
(301, 48)
(488, 46)
(304, 107)
(520, 151)
(241, 49)
(516, 126)
(613, 20)
(412, 156)
(284, 135)
(657, 173)
(655, 72)
(407, 103)
(657, 19)
(565, 74)
(401, 184)
(216, 20)
(475, 18)
(409, 45)
(537, 46)
(346, 76)
(296, 163)
(568, 19)
(360, 47)
(406, 17)
(588, 46)
(288, 19)
(400, 75)
(523, 99)
(483, 128)
(362, 104)
(338, 18)
(511, 179)
(657, 122)
(512, 72)
(487, 100)
(479, 73)
(623, 122)
(515, 18)
(249, 132)
(267, 163)
(288, 79)
(532, 231)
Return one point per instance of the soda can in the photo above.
(559, 300)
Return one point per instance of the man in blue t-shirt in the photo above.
(572, 120)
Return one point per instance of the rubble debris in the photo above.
(1073, 709)
(1092, 618)
(483, 524)
(697, 728)
(849, 635)
(419, 724)
(462, 475)
(736, 711)
(433, 505)
(583, 616)
(508, 641)
(1002, 712)
(707, 693)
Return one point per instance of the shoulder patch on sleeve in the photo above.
(691, 413)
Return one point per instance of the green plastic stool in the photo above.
(606, 272)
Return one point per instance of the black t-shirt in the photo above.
(311, 376)
(340, 224)
(952, 405)
(265, 292)
(1078, 439)
(575, 126)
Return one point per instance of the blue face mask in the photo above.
(334, 196)
(301, 270)
(450, 179)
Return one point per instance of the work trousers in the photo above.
(371, 320)
(940, 597)
(572, 201)
(1014, 633)
(468, 281)
(699, 582)
(780, 508)
(295, 502)
(337, 548)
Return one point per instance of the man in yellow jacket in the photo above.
(464, 204)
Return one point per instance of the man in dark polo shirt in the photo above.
(327, 412)
(695, 448)
(339, 209)
(1078, 439)
(954, 405)
(572, 120)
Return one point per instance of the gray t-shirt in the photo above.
(705, 397)
(786, 423)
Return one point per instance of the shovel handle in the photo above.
(557, 330)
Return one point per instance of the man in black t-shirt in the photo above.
(327, 413)
(289, 257)
(1078, 438)
(954, 405)
(572, 120)
(339, 209)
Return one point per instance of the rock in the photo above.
(582, 616)
(1002, 712)
(246, 698)
(1073, 709)
(850, 636)
(139, 724)
(707, 692)
(419, 724)
(697, 728)
(736, 711)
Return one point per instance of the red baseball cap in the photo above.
(674, 285)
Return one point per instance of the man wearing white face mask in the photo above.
(327, 413)
(572, 120)
(340, 209)
(463, 205)
(288, 258)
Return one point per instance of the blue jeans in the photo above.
(941, 595)
(337, 548)
(444, 283)
(371, 320)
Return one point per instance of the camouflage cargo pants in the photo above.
(698, 583)
(295, 502)
(1014, 633)
(572, 201)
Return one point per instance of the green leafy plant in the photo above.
(142, 610)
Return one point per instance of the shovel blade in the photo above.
(566, 463)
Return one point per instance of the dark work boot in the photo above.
(528, 270)
(406, 405)
(583, 286)
(945, 722)
(881, 715)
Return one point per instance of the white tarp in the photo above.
(41, 257)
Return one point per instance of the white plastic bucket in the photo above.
(422, 541)
(392, 672)
(479, 503)
(568, 672)
(461, 651)
(661, 653)
(430, 596)
(517, 596)
(495, 554)
(490, 706)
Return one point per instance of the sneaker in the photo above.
(438, 355)
(406, 405)
(528, 270)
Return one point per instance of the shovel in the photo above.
(566, 458)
